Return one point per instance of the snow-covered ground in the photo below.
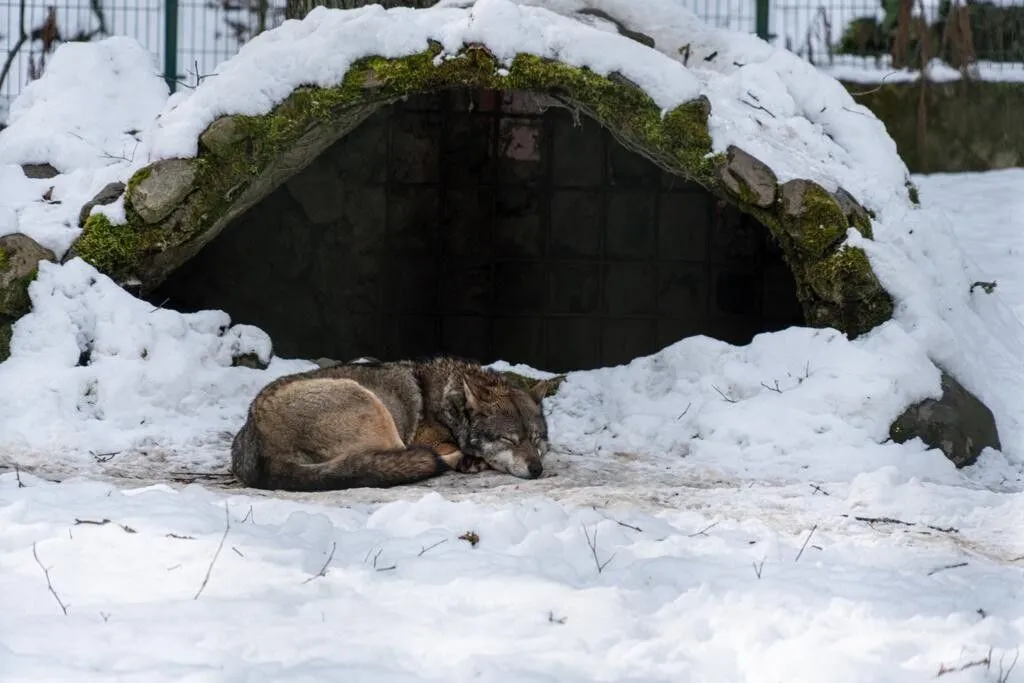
(708, 513)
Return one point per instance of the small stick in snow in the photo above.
(629, 526)
(1004, 675)
(249, 516)
(46, 573)
(180, 537)
(947, 566)
(806, 540)
(94, 522)
(704, 531)
(759, 567)
(161, 305)
(426, 549)
(985, 661)
(323, 569)
(556, 620)
(775, 388)
(380, 569)
(220, 546)
(105, 616)
(680, 416)
(722, 394)
(592, 542)
(818, 489)
(17, 476)
(237, 551)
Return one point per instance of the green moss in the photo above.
(111, 248)
(5, 262)
(137, 178)
(912, 193)
(823, 223)
(527, 383)
(849, 293)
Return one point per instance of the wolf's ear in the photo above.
(472, 397)
(540, 390)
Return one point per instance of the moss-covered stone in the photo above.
(111, 248)
(847, 292)
(19, 264)
(6, 332)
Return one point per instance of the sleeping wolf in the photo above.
(385, 424)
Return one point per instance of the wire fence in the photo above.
(190, 37)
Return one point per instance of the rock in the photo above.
(855, 213)
(641, 38)
(108, 195)
(748, 178)
(221, 134)
(19, 257)
(818, 223)
(39, 171)
(327, 362)
(248, 360)
(958, 424)
(162, 188)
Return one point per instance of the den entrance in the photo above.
(476, 223)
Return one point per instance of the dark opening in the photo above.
(473, 223)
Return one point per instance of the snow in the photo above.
(752, 520)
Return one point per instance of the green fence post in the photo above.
(761, 20)
(171, 43)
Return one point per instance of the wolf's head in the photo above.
(506, 427)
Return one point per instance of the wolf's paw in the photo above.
(470, 464)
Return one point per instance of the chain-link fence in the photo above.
(192, 36)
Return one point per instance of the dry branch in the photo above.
(323, 569)
(49, 584)
(220, 546)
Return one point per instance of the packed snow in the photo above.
(708, 513)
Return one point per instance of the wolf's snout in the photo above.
(535, 469)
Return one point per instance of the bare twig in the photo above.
(592, 543)
(900, 522)
(428, 548)
(17, 471)
(758, 566)
(227, 527)
(629, 526)
(985, 661)
(49, 584)
(104, 457)
(323, 569)
(775, 388)
(758, 106)
(818, 489)
(105, 616)
(556, 620)
(947, 566)
(703, 532)
(1004, 674)
(680, 416)
(380, 569)
(806, 540)
(237, 551)
(249, 516)
(180, 537)
(723, 395)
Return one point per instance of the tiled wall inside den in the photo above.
(473, 223)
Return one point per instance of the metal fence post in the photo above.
(171, 43)
(761, 20)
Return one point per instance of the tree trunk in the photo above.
(297, 9)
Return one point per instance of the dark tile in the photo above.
(629, 289)
(467, 225)
(521, 159)
(632, 224)
(628, 169)
(576, 224)
(465, 290)
(518, 225)
(413, 213)
(468, 151)
(684, 226)
(577, 152)
(414, 147)
(520, 287)
(518, 340)
(465, 336)
(624, 340)
(361, 157)
(682, 290)
(737, 292)
(572, 344)
(575, 288)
